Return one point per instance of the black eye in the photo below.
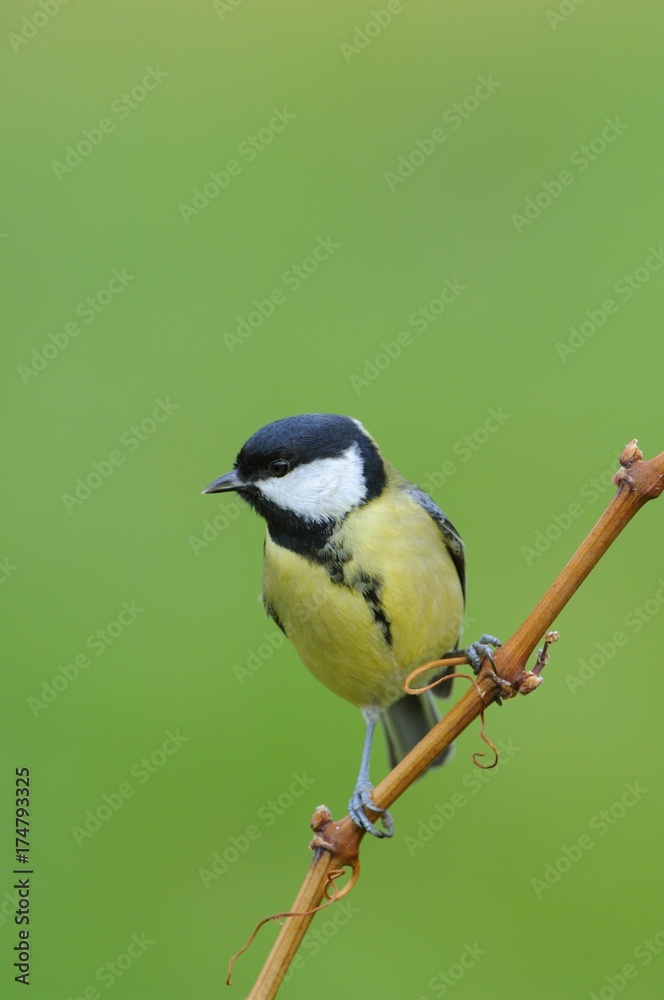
(280, 467)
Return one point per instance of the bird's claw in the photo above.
(360, 801)
(480, 649)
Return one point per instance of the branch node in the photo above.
(631, 453)
(622, 478)
(528, 682)
(319, 821)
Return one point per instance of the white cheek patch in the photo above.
(324, 488)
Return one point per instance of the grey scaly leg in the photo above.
(361, 797)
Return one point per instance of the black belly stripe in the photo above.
(382, 621)
(338, 564)
(369, 587)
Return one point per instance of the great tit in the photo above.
(363, 573)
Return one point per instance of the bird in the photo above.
(362, 571)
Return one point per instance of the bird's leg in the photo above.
(361, 797)
(478, 650)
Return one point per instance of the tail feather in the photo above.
(408, 721)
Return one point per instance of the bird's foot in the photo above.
(360, 800)
(480, 649)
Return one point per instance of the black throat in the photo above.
(292, 531)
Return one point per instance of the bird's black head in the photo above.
(304, 474)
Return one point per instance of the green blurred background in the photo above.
(538, 200)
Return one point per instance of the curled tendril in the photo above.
(451, 662)
(496, 755)
(332, 895)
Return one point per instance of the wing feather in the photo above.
(452, 537)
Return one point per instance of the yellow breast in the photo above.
(361, 648)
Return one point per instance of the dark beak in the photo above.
(225, 484)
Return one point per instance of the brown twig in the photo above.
(336, 844)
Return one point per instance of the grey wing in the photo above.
(450, 534)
